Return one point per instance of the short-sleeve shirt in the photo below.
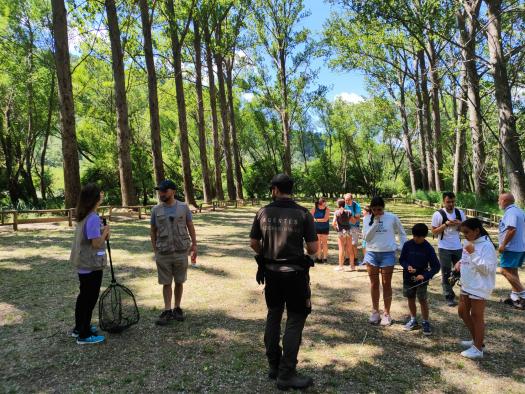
(92, 230)
(171, 210)
(355, 208)
(283, 226)
(342, 218)
(513, 217)
(451, 236)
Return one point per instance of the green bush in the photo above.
(488, 203)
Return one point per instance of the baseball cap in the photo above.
(165, 185)
(283, 182)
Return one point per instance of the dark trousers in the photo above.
(290, 290)
(447, 259)
(86, 301)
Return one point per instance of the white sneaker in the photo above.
(339, 269)
(466, 344)
(472, 352)
(386, 320)
(375, 318)
(469, 343)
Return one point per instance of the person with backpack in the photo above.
(341, 224)
(445, 225)
(354, 208)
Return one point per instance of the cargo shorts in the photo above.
(171, 267)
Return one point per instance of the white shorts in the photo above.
(355, 232)
(471, 296)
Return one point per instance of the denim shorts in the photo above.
(380, 259)
(511, 259)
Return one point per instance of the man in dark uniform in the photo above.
(277, 236)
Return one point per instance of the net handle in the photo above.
(109, 254)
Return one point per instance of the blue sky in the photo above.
(339, 82)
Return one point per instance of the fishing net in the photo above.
(117, 308)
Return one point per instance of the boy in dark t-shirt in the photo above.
(420, 264)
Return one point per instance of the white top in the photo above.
(451, 239)
(478, 270)
(513, 217)
(380, 236)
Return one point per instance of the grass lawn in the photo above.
(219, 348)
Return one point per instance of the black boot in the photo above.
(293, 381)
(273, 371)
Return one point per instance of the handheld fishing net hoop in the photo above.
(117, 308)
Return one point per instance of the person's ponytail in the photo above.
(475, 223)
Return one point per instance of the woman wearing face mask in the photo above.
(478, 277)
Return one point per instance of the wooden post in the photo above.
(140, 212)
(2, 215)
(15, 221)
(70, 217)
(110, 209)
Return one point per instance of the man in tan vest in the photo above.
(172, 237)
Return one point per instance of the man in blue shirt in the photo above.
(355, 209)
(512, 247)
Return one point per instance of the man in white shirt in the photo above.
(512, 247)
(445, 225)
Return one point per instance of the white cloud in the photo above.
(248, 97)
(351, 98)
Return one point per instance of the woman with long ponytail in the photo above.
(88, 256)
(478, 278)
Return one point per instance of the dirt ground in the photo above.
(219, 348)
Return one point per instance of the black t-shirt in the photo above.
(283, 225)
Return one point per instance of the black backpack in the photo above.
(445, 218)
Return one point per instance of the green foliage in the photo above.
(463, 200)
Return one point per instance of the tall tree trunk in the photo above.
(200, 113)
(420, 127)
(67, 107)
(468, 31)
(507, 122)
(219, 62)
(176, 47)
(31, 112)
(127, 188)
(47, 132)
(217, 153)
(6, 142)
(406, 135)
(235, 143)
(501, 176)
(285, 116)
(459, 156)
(426, 125)
(153, 100)
(437, 155)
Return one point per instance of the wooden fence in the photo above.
(491, 219)
(15, 217)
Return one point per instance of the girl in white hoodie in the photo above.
(478, 277)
